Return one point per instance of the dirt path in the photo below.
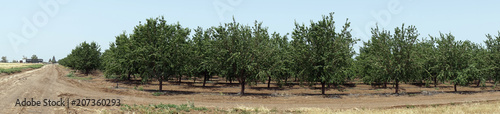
(49, 82)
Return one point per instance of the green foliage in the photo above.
(85, 58)
(323, 54)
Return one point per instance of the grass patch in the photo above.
(157, 93)
(15, 69)
(72, 76)
(410, 106)
(82, 78)
(162, 108)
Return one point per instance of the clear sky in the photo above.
(54, 27)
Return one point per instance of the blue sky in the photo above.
(29, 27)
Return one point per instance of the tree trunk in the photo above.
(286, 80)
(86, 72)
(128, 78)
(455, 86)
(421, 83)
(323, 88)
(180, 78)
(269, 82)
(397, 86)
(385, 84)
(161, 83)
(242, 83)
(478, 83)
(230, 80)
(204, 79)
(435, 82)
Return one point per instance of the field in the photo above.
(55, 82)
(14, 65)
(10, 68)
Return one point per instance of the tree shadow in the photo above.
(266, 88)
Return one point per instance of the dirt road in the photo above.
(49, 82)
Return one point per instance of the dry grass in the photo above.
(465, 108)
(15, 65)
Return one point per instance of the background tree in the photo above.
(324, 51)
(427, 56)
(279, 59)
(54, 59)
(478, 67)
(376, 58)
(34, 58)
(202, 59)
(4, 59)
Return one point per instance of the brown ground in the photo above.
(50, 82)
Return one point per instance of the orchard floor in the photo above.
(51, 82)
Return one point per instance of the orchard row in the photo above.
(316, 53)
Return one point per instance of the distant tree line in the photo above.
(317, 53)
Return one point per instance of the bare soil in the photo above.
(50, 82)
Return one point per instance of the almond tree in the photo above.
(455, 62)
(279, 59)
(428, 55)
(203, 61)
(493, 50)
(376, 59)
(160, 51)
(390, 57)
(85, 57)
(238, 49)
(117, 60)
(323, 54)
